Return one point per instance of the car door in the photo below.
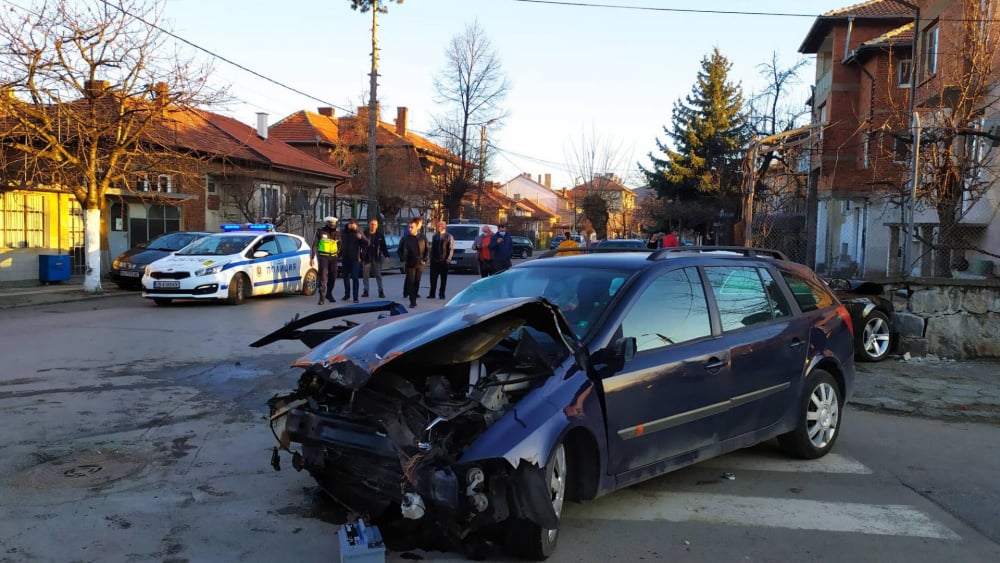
(669, 399)
(266, 271)
(295, 256)
(767, 345)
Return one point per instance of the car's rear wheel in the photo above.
(310, 283)
(237, 289)
(819, 418)
(874, 342)
(162, 301)
(527, 539)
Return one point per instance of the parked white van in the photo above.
(465, 257)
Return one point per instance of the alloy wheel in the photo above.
(557, 484)
(822, 415)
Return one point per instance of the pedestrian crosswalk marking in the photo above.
(754, 460)
(636, 504)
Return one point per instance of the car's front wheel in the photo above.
(874, 344)
(237, 289)
(309, 283)
(527, 539)
(818, 418)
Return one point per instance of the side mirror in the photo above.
(260, 254)
(620, 351)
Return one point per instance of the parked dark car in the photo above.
(393, 265)
(563, 379)
(523, 246)
(620, 243)
(871, 314)
(128, 267)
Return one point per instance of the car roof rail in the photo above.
(748, 251)
(587, 250)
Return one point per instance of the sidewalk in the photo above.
(926, 387)
(60, 292)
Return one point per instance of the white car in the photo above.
(241, 261)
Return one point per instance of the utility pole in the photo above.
(373, 120)
(482, 168)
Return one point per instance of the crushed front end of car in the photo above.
(433, 425)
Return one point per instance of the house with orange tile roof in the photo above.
(620, 201)
(230, 172)
(412, 170)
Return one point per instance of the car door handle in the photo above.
(795, 343)
(715, 364)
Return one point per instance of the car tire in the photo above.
(530, 252)
(873, 340)
(528, 540)
(310, 283)
(237, 289)
(162, 301)
(818, 416)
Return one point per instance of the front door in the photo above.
(670, 398)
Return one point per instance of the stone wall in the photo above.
(948, 318)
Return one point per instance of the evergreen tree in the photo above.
(707, 138)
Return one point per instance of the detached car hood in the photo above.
(449, 335)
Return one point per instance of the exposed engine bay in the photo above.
(384, 433)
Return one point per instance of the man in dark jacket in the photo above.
(413, 254)
(375, 254)
(502, 249)
(352, 248)
(326, 246)
(442, 248)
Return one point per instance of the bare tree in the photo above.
(594, 161)
(472, 86)
(81, 112)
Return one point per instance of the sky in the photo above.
(578, 73)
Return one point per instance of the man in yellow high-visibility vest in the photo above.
(326, 247)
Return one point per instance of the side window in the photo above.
(778, 302)
(808, 294)
(268, 245)
(671, 310)
(288, 244)
(740, 296)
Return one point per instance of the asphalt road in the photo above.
(132, 432)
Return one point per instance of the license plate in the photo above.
(128, 274)
(453, 262)
(166, 284)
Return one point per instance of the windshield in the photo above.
(464, 232)
(219, 245)
(581, 294)
(173, 241)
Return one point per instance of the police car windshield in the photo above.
(219, 245)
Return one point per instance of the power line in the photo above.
(675, 10)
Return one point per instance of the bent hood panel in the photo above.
(449, 335)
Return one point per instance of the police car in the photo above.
(239, 262)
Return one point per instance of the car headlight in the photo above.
(116, 265)
(149, 268)
(211, 270)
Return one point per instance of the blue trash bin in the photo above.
(53, 268)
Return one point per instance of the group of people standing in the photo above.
(359, 254)
(493, 250)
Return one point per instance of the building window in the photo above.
(904, 72)
(23, 224)
(210, 185)
(930, 50)
(269, 201)
(325, 207)
(866, 161)
(900, 151)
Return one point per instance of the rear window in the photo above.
(808, 294)
(464, 232)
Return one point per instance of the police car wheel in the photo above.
(237, 289)
(310, 283)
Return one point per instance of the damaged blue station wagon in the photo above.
(562, 379)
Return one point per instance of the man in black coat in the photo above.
(442, 249)
(413, 254)
(375, 254)
(352, 247)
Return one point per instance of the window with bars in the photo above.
(23, 224)
(325, 207)
(270, 200)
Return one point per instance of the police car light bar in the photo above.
(264, 227)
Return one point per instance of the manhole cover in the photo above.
(80, 469)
